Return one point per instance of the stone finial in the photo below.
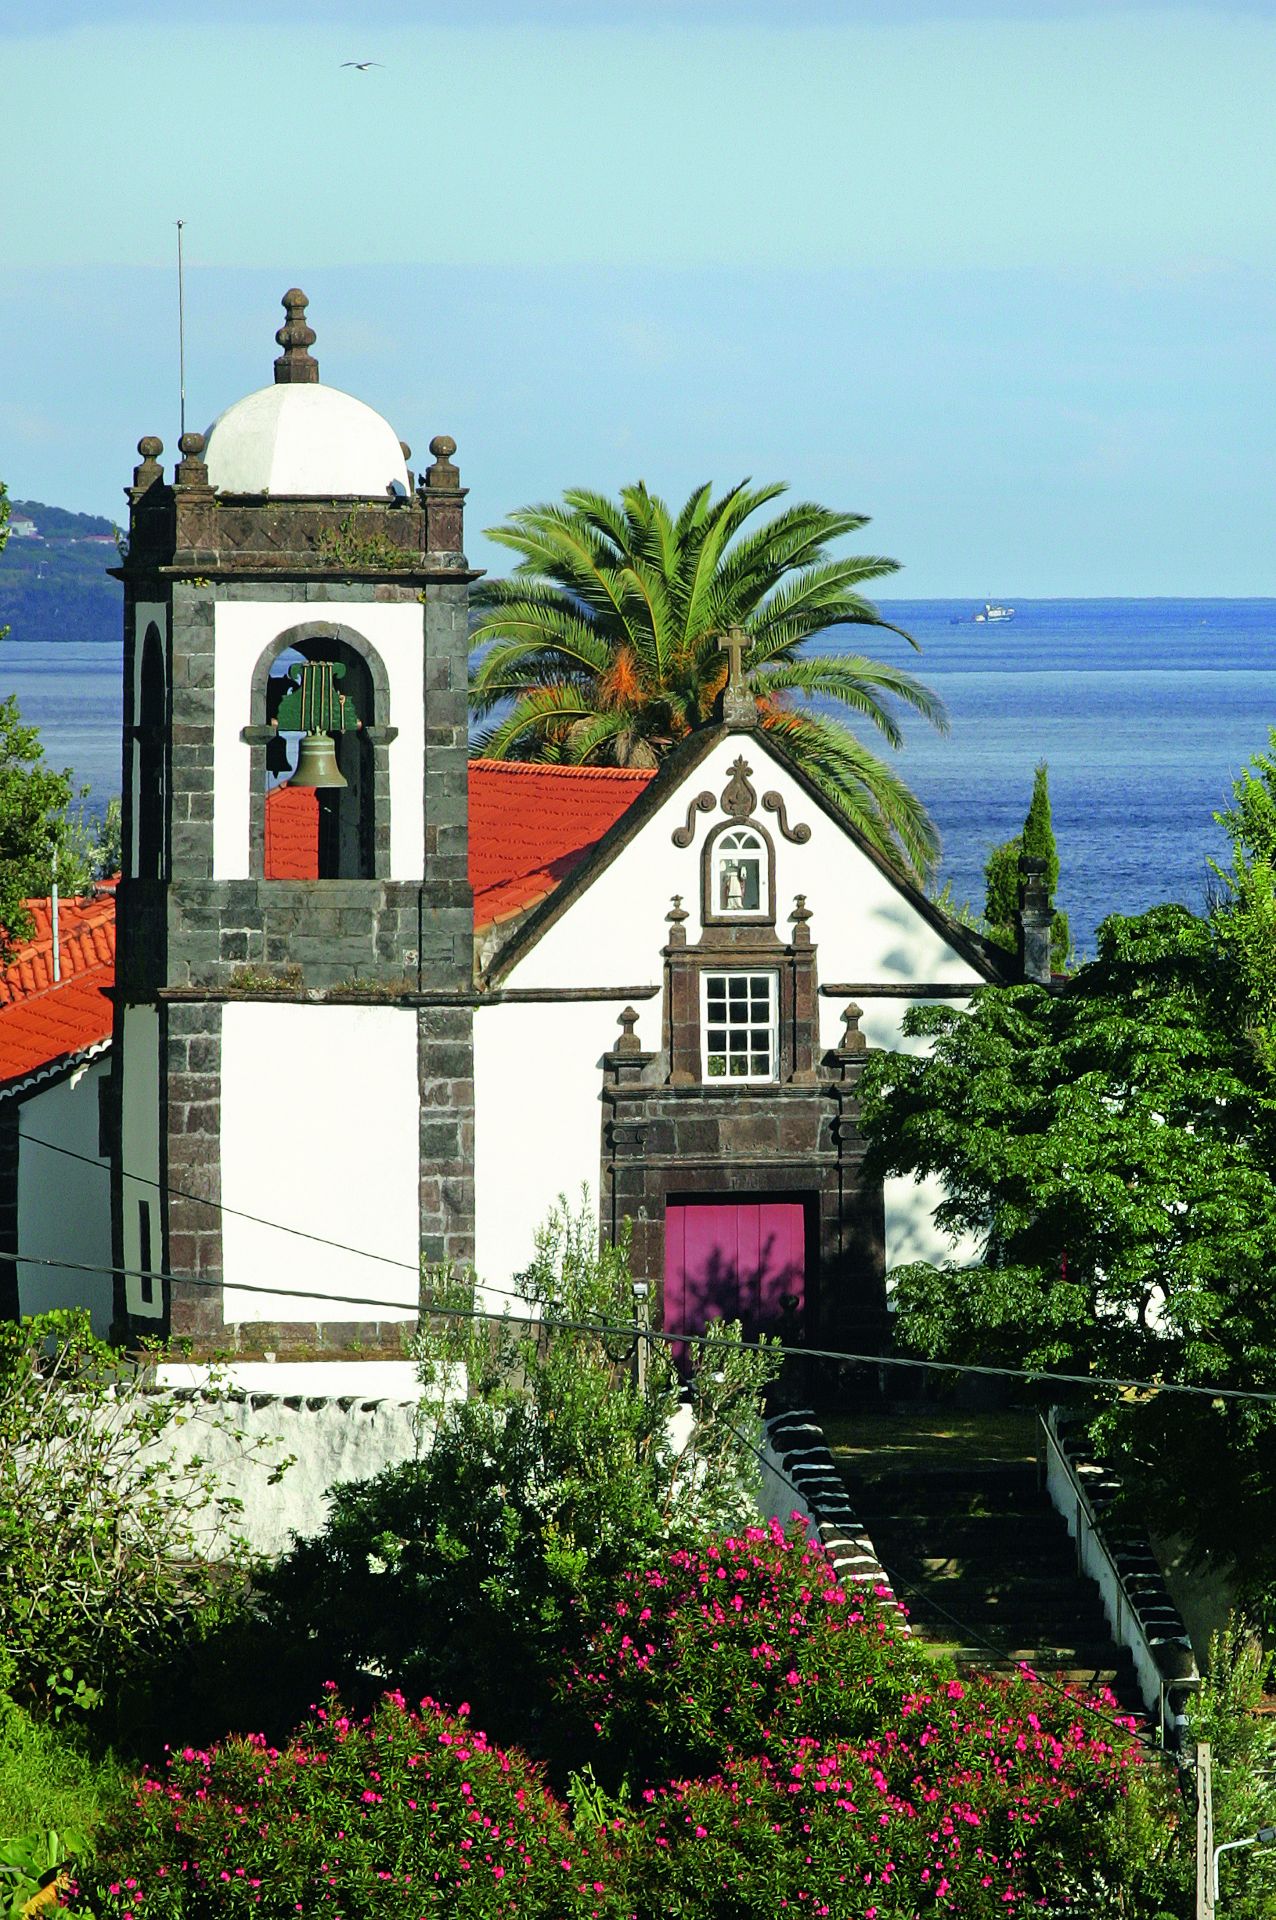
(443, 473)
(406, 451)
(852, 1040)
(294, 367)
(800, 921)
(628, 1041)
(191, 470)
(738, 706)
(677, 918)
(1035, 918)
(150, 469)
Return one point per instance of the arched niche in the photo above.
(151, 736)
(353, 823)
(738, 876)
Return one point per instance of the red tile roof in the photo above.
(530, 825)
(40, 1023)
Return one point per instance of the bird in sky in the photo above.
(362, 65)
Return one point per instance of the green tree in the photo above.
(1107, 1149)
(606, 640)
(1001, 874)
(1244, 912)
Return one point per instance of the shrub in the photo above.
(105, 1543)
(396, 1815)
(729, 1647)
(820, 1756)
(532, 1494)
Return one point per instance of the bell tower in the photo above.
(293, 1041)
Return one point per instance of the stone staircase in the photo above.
(972, 1545)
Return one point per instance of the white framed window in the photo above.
(739, 873)
(739, 1020)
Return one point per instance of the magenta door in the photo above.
(732, 1260)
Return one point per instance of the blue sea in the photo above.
(1145, 711)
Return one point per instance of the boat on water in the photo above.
(992, 611)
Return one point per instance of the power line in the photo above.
(1035, 1375)
(255, 1219)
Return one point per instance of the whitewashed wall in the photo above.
(537, 1077)
(530, 1149)
(320, 1114)
(64, 1206)
(241, 633)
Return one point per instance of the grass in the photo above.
(48, 1780)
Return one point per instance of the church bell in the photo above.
(315, 708)
(317, 763)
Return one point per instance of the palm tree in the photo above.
(606, 639)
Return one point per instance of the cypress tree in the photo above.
(1001, 874)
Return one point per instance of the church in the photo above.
(360, 1003)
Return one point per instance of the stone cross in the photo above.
(733, 643)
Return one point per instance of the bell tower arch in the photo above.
(296, 642)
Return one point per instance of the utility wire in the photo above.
(1037, 1375)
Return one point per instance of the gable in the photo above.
(608, 924)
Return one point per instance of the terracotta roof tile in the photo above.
(40, 1022)
(530, 825)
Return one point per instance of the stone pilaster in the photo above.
(445, 1078)
(190, 1057)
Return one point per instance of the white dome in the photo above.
(304, 438)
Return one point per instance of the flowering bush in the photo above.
(752, 1738)
(394, 1816)
(823, 1762)
(750, 1640)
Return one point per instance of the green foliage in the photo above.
(1244, 916)
(104, 1540)
(834, 1768)
(1107, 1157)
(35, 1869)
(353, 545)
(48, 1780)
(108, 850)
(56, 588)
(1243, 1753)
(1001, 891)
(531, 1492)
(389, 1818)
(606, 639)
(1001, 876)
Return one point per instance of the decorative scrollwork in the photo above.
(684, 835)
(738, 798)
(774, 803)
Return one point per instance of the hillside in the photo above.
(54, 585)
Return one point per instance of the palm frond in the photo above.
(889, 815)
(857, 683)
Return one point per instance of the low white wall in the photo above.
(332, 1440)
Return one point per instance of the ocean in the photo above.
(1144, 710)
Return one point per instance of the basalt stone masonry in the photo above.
(318, 575)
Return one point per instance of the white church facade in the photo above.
(387, 1016)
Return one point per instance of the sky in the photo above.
(997, 273)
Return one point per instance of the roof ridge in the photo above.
(560, 772)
